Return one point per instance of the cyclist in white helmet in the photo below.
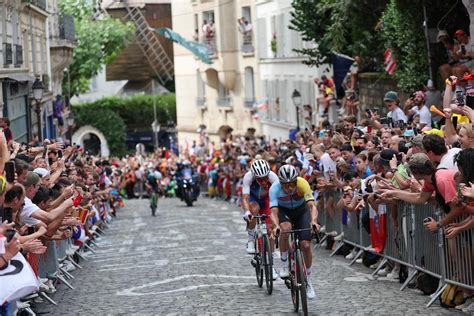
(292, 204)
(255, 198)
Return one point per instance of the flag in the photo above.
(378, 232)
(82, 215)
(263, 106)
(17, 280)
(389, 61)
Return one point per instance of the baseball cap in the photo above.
(31, 179)
(459, 32)
(408, 133)
(416, 141)
(309, 157)
(442, 33)
(390, 96)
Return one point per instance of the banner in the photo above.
(378, 222)
(17, 280)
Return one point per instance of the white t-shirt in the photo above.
(397, 115)
(248, 179)
(447, 161)
(26, 214)
(425, 115)
(327, 163)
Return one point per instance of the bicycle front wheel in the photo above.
(268, 263)
(258, 263)
(301, 277)
(294, 284)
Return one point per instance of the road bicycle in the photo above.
(297, 279)
(262, 260)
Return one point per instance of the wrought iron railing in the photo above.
(247, 43)
(66, 27)
(7, 54)
(18, 55)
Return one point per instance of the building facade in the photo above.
(282, 72)
(25, 56)
(220, 95)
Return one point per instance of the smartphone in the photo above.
(10, 171)
(60, 153)
(7, 214)
(31, 230)
(369, 129)
(470, 101)
(455, 122)
(50, 161)
(9, 234)
(459, 98)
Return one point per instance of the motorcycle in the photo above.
(188, 192)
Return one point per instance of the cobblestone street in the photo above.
(192, 260)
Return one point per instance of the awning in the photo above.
(20, 78)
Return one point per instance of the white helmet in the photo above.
(260, 168)
(287, 174)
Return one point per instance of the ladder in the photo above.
(150, 46)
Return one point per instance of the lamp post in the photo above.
(38, 89)
(296, 97)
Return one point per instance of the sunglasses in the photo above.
(289, 185)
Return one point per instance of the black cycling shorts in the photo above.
(300, 219)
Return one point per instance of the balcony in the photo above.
(224, 102)
(201, 101)
(249, 102)
(7, 54)
(247, 44)
(66, 28)
(39, 3)
(18, 56)
(210, 42)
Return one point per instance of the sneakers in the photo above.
(383, 272)
(394, 275)
(275, 274)
(250, 247)
(351, 255)
(284, 272)
(310, 290)
(359, 261)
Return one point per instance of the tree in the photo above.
(98, 42)
(341, 26)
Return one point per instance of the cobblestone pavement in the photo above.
(191, 260)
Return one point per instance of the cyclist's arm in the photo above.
(245, 202)
(313, 211)
(274, 216)
(247, 181)
(273, 196)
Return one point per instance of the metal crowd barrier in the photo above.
(408, 243)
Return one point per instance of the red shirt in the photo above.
(447, 186)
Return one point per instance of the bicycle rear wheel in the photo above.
(301, 277)
(294, 285)
(268, 263)
(258, 263)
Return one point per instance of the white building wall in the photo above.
(283, 72)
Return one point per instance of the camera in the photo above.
(399, 124)
(459, 98)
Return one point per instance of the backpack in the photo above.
(426, 283)
(452, 296)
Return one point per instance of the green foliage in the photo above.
(402, 31)
(137, 111)
(108, 122)
(342, 26)
(98, 42)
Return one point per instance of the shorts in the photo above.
(264, 205)
(300, 219)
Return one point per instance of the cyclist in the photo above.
(292, 203)
(152, 183)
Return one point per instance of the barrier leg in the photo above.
(321, 241)
(339, 246)
(358, 255)
(380, 266)
(435, 296)
(81, 256)
(63, 280)
(66, 274)
(89, 248)
(46, 297)
(409, 279)
(74, 263)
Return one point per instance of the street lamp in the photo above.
(296, 97)
(38, 90)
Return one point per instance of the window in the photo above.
(201, 90)
(263, 42)
(223, 94)
(208, 30)
(249, 87)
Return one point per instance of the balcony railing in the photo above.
(249, 102)
(7, 54)
(210, 41)
(201, 101)
(18, 55)
(247, 43)
(224, 101)
(66, 27)
(39, 3)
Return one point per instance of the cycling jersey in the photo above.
(251, 186)
(278, 196)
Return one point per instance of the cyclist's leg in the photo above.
(303, 221)
(285, 224)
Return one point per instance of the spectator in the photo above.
(5, 125)
(435, 149)
(415, 105)
(391, 102)
(58, 108)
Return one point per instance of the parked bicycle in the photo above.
(262, 260)
(296, 281)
